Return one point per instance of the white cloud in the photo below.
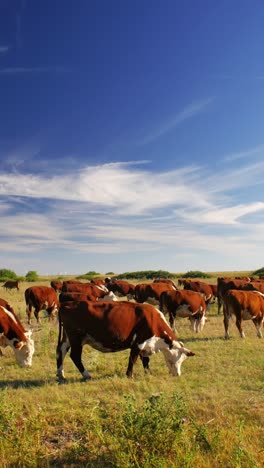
(188, 112)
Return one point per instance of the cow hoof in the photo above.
(62, 381)
(85, 379)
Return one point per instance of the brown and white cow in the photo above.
(13, 334)
(41, 298)
(121, 288)
(224, 284)
(11, 284)
(151, 292)
(117, 326)
(184, 303)
(243, 305)
(85, 296)
(92, 291)
(201, 287)
(165, 280)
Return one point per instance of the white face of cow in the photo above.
(24, 350)
(174, 356)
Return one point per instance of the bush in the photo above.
(32, 276)
(259, 272)
(195, 274)
(147, 274)
(7, 274)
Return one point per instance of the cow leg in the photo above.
(134, 353)
(226, 325)
(258, 324)
(62, 349)
(36, 313)
(76, 357)
(219, 304)
(29, 312)
(145, 362)
(239, 326)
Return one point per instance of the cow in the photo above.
(11, 284)
(89, 289)
(41, 298)
(56, 285)
(150, 292)
(98, 281)
(184, 303)
(165, 280)
(244, 305)
(13, 334)
(121, 288)
(6, 305)
(203, 288)
(117, 326)
(83, 296)
(224, 284)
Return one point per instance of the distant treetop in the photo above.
(195, 274)
(259, 272)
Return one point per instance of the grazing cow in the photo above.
(11, 284)
(82, 296)
(98, 281)
(244, 305)
(184, 303)
(121, 288)
(151, 292)
(165, 280)
(116, 326)
(13, 334)
(56, 285)
(95, 292)
(6, 305)
(41, 298)
(224, 284)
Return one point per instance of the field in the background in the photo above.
(211, 416)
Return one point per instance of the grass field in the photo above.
(211, 416)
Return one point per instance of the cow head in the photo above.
(174, 353)
(24, 350)
(175, 356)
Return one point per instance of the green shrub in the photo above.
(32, 276)
(6, 274)
(195, 274)
(146, 274)
(259, 272)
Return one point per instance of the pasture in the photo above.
(211, 416)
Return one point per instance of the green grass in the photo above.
(211, 416)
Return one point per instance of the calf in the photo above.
(116, 326)
(11, 284)
(41, 298)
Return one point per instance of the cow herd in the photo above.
(96, 313)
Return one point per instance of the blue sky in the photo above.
(131, 135)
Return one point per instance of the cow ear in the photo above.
(18, 344)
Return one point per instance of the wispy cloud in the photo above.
(4, 49)
(245, 153)
(188, 112)
(117, 208)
